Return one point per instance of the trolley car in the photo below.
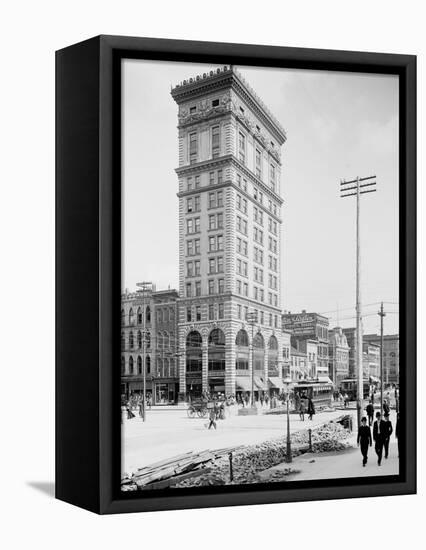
(349, 387)
(321, 393)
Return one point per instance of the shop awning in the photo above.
(325, 380)
(243, 383)
(259, 383)
(276, 382)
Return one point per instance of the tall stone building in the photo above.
(390, 355)
(338, 353)
(230, 203)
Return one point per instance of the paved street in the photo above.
(167, 433)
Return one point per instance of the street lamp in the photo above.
(287, 382)
(251, 319)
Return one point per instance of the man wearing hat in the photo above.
(379, 431)
(387, 432)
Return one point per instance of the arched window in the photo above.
(258, 352)
(131, 341)
(139, 339)
(166, 340)
(131, 316)
(123, 341)
(242, 339)
(139, 316)
(148, 314)
(148, 340)
(193, 352)
(159, 340)
(123, 317)
(159, 367)
(131, 365)
(272, 355)
(139, 364)
(216, 351)
(148, 364)
(123, 366)
(242, 351)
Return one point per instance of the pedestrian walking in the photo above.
(141, 407)
(378, 433)
(370, 413)
(311, 409)
(212, 417)
(387, 432)
(398, 433)
(364, 440)
(386, 408)
(302, 410)
(346, 399)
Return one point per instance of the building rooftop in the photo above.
(226, 75)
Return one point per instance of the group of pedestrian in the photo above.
(382, 431)
(306, 405)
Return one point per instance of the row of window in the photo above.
(136, 318)
(214, 311)
(194, 182)
(258, 293)
(242, 312)
(165, 366)
(163, 340)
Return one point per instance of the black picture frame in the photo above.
(88, 253)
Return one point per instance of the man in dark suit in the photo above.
(370, 412)
(387, 432)
(364, 439)
(378, 432)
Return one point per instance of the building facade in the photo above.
(230, 202)
(310, 326)
(149, 342)
(338, 354)
(371, 360)
(390, 355)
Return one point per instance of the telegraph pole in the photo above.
(381, 314)
(358, 189)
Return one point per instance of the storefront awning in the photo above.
(243, 383)
(325, 380)
(276, 382)
(259, 383)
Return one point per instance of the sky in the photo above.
(339, 125)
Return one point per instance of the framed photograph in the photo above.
(236, 278)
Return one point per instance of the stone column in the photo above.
(230, 356)
(205, 364)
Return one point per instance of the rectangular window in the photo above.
(239, 311)
(211, 312)
(215, 142)
(239, 180)
(189, 183)
(197, 203)
(212, 244)
(273, 181)
(220, 198)
(189, 248)
(220, 264)
(211, 286)
(220, 242)
(262, 295)
(198, 288)
(190, 225)
(197, 225)
(242, 147)
(211, 178)
(197, 182)
(197, 267)
(197, 246)
(221, 287)
(219, 176)
(220, 221)
(198, 313)
(258, 163)
(239, 287)
(189, 269)
(255, 292)
(189, 289)
(245, 289)
(262, 320)
(212, 265)
(193, 148)
(221, 311)
(189, 205)
(188, 315)
(212, 221)
(212, 200)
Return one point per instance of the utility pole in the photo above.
(358, 190)
(381, 314)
